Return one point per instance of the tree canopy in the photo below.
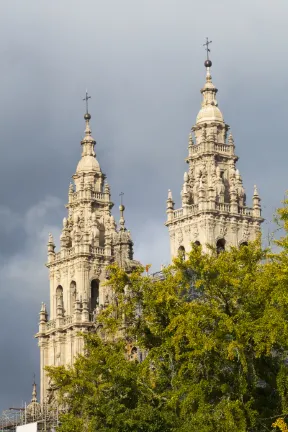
(203, 349)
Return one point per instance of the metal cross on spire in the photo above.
(86, 99)
(121, 197)
(207, 43)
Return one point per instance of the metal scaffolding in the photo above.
(47, 418)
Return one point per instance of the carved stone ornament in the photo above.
(58, 275)
(223, 230)
(195, 232)
(96, 270)
(234, 228)
(72, 271)
(65, 271)
(187, 229)
(179, 236)
(211, 224)
(245, 234)
(86, 266)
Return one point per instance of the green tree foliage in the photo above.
(213, 335)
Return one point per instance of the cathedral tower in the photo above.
(89, 242)
(214, 209)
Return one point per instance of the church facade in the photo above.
(213, 212)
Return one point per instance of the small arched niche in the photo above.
(59, 296)
(181, 252)
(59, 291)
(73, 293)
(220, 245)
(94, 294)
(197, 243)
(244, 243)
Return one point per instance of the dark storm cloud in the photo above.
(143, 65)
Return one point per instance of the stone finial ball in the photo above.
(121, 207)
(208, 63)
(87, 116)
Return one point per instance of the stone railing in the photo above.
(100, 196)
(51, 324)
(177, 213)
(189, 209)
(99, 250)
(247, 211)
(88, 194)
(193, 209)
(212, 147)
(223, 207)
(67, 320)
(81, 248)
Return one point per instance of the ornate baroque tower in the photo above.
(89, 241)
(214, 207)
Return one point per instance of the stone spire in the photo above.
(88, 161)
(123, 244)
(213, 198)
(34, 392)
(89, 242)
(33, 410)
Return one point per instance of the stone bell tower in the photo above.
(214, 209)
(90, 241)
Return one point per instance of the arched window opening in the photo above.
(220, 245)
(245, 243)
(73, 294)
(134, 353)
(94, 299)
(197, 243)
(181, 252)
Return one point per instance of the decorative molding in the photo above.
(97, 270)
(58, 276)
(179, 236)
(72, 270)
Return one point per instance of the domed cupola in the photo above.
(33, 410)
(209, 112)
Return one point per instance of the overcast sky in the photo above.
(142, 62)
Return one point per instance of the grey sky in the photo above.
(142, 62)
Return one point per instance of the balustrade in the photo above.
(67, 320)
(223, 207)
(51, 324)
(215, 147)
(246, 211)
(178, 213)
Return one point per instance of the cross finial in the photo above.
(86, 99)
(207, 43)
(121, 197)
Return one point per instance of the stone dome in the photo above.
(209, 113)
(33, 410)
(87, 164)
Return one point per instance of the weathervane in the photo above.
(207, 43)
(86, 99)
